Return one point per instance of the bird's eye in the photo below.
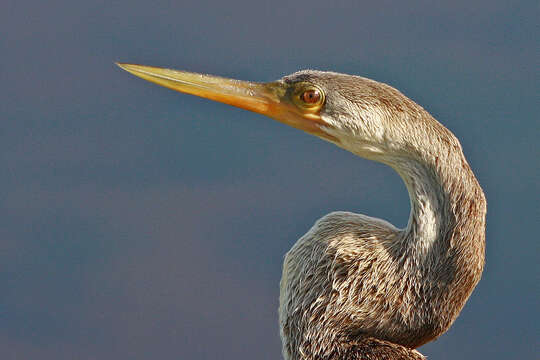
(311, 96)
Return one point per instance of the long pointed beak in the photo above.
(264, 98)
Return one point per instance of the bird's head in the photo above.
(363, 116)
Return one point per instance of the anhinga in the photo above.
(356, 287)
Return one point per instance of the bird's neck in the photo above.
(447, 204)
(444, 239)
(446, 228)
(430, 205)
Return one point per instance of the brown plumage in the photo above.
(356, 287)
(353, 279)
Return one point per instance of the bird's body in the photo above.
(353, 277)
(355, 287)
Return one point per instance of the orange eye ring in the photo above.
(311, 96)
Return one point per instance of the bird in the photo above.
(356, 287)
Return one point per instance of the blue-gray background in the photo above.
(141, 223)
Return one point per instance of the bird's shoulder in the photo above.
(359, 226)
(348, 234)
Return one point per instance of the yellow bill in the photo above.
(280, 101)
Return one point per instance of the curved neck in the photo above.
(447, 218)
(430, 204)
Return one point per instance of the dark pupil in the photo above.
(311, 96)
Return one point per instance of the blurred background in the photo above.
(137, 222)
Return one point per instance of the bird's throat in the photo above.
(430, 211)
(447, 203)
(445, 233)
